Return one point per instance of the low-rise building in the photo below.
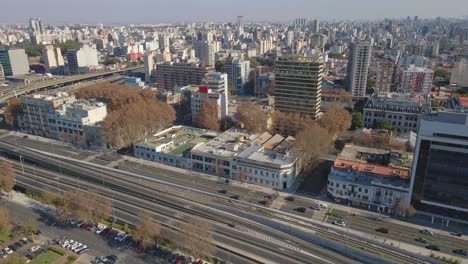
(376, 179)
(402, 110)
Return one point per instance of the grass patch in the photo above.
(168, 243)
(71, 259)
(118, 225)
(4, 236)
(57, 251)
(46, 258)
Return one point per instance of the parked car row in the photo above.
(72, 245)
(13, 247)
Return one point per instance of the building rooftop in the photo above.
(378, 156)
(371, 168)
(226, 144)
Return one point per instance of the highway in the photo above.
(61, 82)
(195, 197)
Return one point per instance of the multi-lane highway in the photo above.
(213, 186)
(62, 82)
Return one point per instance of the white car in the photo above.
(316, 207)
(34, 249)
(8, 250)
(72, 248)
(427, 232)
(323, 205)
(80, 248)
(100, 229)
(339, 223)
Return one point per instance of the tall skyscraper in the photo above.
(240, 24)
(52, 57)
(14, 61)
(439, 180)
(298, 84)
(359, 57)
(36, 26)
(204, 50)
(238, 74)
(417, 80)
(315, 25)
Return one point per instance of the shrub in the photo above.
(57, 250)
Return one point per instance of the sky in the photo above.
(158, 11)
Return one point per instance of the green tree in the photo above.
(383, 124)
(441, 73)
(357, 121)
(253, 63)
(33, 50)
(69, 44)
(219, 66)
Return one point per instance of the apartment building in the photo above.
(359, 57)
(170, 75)
(417, 80)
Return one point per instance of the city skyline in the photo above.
(262, 10)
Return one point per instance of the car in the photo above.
(315, 207)
(235, 197)
(458, 234)
(199, 261)
(179, 260)
(383, 230)
(25, 136)
(13, 247)
(323, 205)
(22, 242)
(461, 252)
(75, 246)
(100, 228)
(34, 249)
(8, 250)
(232, 225)
(290, 198)
(84, 250)
(339, 223)
(421, 240)
(427, 232)
(222, 191)
(25, 240)
(301, 209)
(433, 247)
(78, 249)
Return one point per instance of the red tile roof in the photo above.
(342, 164)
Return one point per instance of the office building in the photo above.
(82, 60)
(417, 80)
(298, 84)
(401, 110)
(315, 26)
(375, 179)
(359, 57)
(52, 57)
(204, 50)
(36, 110)
(384, 76)
(238, 71)
(459, 75)
(36, 26)
(439, 179)
(264, 81)
(149, 66)
(170, 75)
(217, 82)
(14, 61)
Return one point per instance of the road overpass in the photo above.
(63, 82)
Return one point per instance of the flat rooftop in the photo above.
(227, 144)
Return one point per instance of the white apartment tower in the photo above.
(359, 57)
(52, 57)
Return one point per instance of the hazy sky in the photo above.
(154, 11)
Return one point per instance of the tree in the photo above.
(69, 44)
(208, 116)
(12, 110)
(7, 176)
(403, 210)
(336, 120)
(148, 231)
(29, 226)
(357, 121)
(226, 123)
(219, 66)
(310, 143)
(253, 63)
(86, 206)
(4, 220)
(252, 117)
(441, 73)
(383, 124)
(197, 237)
(286, 124)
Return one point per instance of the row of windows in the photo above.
(256, 172)
(337, 185)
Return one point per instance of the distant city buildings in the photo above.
(298, 85)
(14, 61)
(359, 57)
(459, 75)
(205, 51)
(238, 74)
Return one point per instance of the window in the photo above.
(331, 183)
(360, 190)
(337, 185)
(366, 190)
(344, 186)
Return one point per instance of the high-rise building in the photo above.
(2, 74)
(170, 75)
(289, 38)
(238, 74)
(298, 84)
(80, 61)
(384, 76)
(36, 26)
(164, 41)
(204, 50)
(264, 80)
(52, 57)
(439, 179)
(300, 22)
(240, 24)
(14, 61)
(417, 80)
(315, 25)
(459, 75)
(359, 57)
(149, 66)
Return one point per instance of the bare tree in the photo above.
(198, 237)
(252, 116)
(4, 220)
(87, 206)
(336, 120)
(29, 226)
(310, 143)
(148, 231)
(404, 210)
(208, 116)
(12, 110)
(289, 123)
(7, 176)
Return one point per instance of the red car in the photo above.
(179, 260)
(383, 230)
(200, 261)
